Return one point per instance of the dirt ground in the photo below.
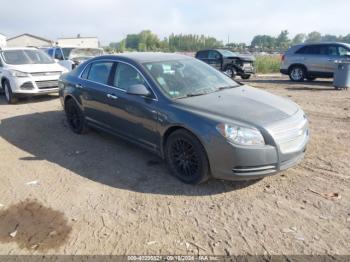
(62, 193)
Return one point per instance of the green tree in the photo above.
(313, 37)
(299, 39)
(329, 38)
(283, 41)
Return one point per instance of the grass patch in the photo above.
(268, 64)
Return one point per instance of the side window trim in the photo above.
(154, 95)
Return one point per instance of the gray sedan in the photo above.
(200, 121)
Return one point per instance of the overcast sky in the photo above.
(111, 20)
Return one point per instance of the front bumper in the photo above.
(233, 162)
(22, 86)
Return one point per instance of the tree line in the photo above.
(148, 41)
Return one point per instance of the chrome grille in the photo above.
(52, 73)
(290, 134)
(47, 84)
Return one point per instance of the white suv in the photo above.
(27, 71)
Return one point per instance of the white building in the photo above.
(2, 40)
(28, 40)
(88, 42)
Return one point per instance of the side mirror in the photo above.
(139, 90)
(347, 54)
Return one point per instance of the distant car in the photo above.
(310, 61)
(230, 63)
(27, 71)
(199, 120)
(70, 57)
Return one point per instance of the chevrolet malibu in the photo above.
(203, 123)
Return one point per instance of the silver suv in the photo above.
(309, 61)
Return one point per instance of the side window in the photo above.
(58, 54)
(126, 76)
(99, 72)
(85, 74)
(343, 51)
(312, 50)
(333, 50)
(202, 55)
(214, 55)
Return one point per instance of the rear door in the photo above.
(93, 92)
(314, 57)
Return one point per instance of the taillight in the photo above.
(283, 57)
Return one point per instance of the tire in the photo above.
(231, 72)
(75, 117)
(297, 73)
(311, 78)
(245, 76)
(9, 96)
(186, 158)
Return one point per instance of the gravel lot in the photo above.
(61, 193)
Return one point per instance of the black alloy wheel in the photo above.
(186, 157)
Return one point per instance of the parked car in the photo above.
(230, 63)
(199, 120)
(27, 71)
(310, 61)
(70, 57)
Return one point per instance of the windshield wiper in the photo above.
(227, 87)
(191, 95)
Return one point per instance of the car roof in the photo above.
(143, 57)
(323, 43)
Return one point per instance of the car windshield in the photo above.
(26, 56)
(227, 53)
(188, 77)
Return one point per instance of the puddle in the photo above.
(33, 226)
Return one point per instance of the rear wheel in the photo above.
(186, 157)
(75, 117)
(9, 96)
(297, 73)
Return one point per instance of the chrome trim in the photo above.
(253, 169)
(114, 87)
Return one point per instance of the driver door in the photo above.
(135, 117)
(215, 59)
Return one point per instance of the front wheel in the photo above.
(231, 72)
(9, 96)
(75, 117)
(186, 157)
(297, 74)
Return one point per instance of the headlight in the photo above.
(16, 73)
(241, 135)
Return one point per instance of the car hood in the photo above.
(247, 58)
(35, 68)
(243, 104)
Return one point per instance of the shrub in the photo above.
(268, 64)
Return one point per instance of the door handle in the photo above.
(110, 96)
(78, 86)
